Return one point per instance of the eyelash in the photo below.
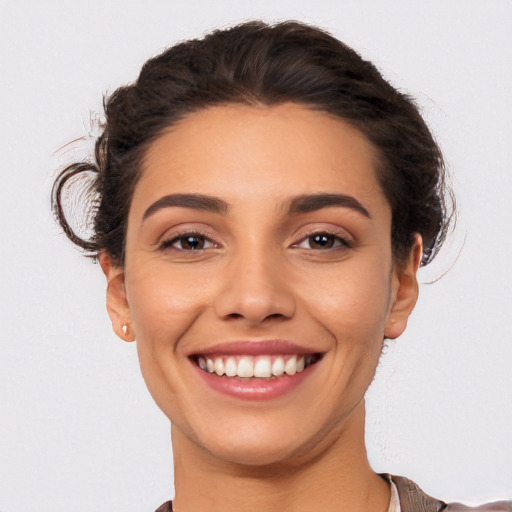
(168, 243)
(337, 241)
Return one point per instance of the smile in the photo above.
(260, 367)
(255, 370)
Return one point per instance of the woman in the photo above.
(262, 200)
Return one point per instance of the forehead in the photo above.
(241, 152)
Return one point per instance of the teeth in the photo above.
(291, 366)
(263, 367)
(231, 368)
(218, 366)
(278, 367)
(245, 367)
(255, 366)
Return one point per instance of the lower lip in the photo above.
(254, 389)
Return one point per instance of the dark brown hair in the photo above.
(261, 64)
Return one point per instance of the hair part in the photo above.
(257, 63)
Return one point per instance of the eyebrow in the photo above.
(312, 202)
(194, 201)
(301, 204)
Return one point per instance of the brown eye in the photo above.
(322, 241)
(188, 242)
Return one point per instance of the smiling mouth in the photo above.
(255, 367)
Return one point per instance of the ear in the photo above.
(404, 291)
(117, 303)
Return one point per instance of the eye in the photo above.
(188, 242)
(322, 241)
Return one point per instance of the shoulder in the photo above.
(413, 499)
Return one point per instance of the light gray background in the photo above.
(78, 429)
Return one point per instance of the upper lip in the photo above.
(254, 348)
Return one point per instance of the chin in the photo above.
(256, 455)
(258, 446)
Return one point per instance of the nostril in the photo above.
(234, 316)
(255, 304)
(273, 316)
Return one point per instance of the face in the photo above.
(259, 280)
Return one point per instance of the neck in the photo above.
(335, 476)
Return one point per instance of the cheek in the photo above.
(163, 302)
(352, 302)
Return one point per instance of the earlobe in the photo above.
(405, 292)
(117, 303)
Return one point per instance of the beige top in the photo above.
(394, 502)
(406, 496)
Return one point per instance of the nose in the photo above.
(255, 291)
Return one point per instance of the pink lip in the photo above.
(255, 348)
(257, 388)
(254, 389)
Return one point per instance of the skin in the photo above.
(259, 277)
